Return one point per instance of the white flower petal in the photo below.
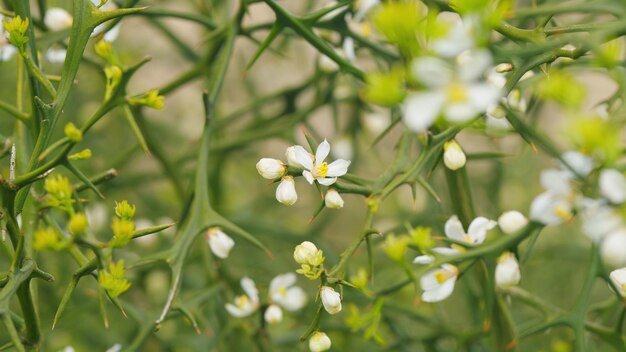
(460, 112)
(327, 181)
(440, 293)
(424, 259)
(454, 229)
(294, 299)
(322, 152)
(477, 230)
(303, 157)
(483, 95)
(613, 186)
(473, 64)
(338, 168)
(420, 110)
(308, 176)
(431, 72)
(282, 281)
(250, 289)
(556, 181)
(581, 163)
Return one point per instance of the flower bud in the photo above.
(360, 279)
(507, 271)
(78, 224)
(270, 168)
(292, 160)
(613, 249)
(125, 210)
(286, 191)
(453, 156)
(319, 342)
(331, 300)
(273, 314)
(618, 277)
(123, 231)
(219, 242)
(305, 253)
(57, 19)
(395, 247)
(333, 200)
(73, 133)
(512, 221)
(82, 155)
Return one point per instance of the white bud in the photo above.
(286, 191)
(292, 160)
(305, 253)
(512, 221)
(453, 156)
(331, 300)
(270, 168)
(273, 314)
(319, 342)
(333, 200)
(613, 185)
(57, 19)
(507, 271)
(613, 249)
(220, 243)
(618, 277)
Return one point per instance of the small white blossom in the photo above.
(305, 253)
(220, 243)
(507, 271)
(459, 92)
(512, 221)
(429, 259)
(331, 300)
(273, 314)
(319, 342)
(56, 56)
(283, 292)
(271, 168)
(599, 220)
(453, 156)
(438, 284)
(286, 191)
(57, 19)
(476, 233)
(333, 200)
(246, 304)
(613, 186)
(613, 249)
(315, 168)
(618, 277)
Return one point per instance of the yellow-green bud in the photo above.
(47, 239)
(152, 99)
(384, 88)
(58, 186)
(113, 279)
(73, 133)
(422, 238)
(360, 279)
(123, 231)
(82, 155)
(125, 210)
(78, 224)
(17, 28)
(395, 247)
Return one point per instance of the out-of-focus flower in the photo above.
(246, 304)
(507, 271)
(512, 221)
(613, 186)
(56, 56)
(331, 299)
(283, 292)
(613, 249)
(319, 342)
(438, 284)
(57, 19)
(459, 34)
(476, 233)
(618, 277)
(220, 243)
(273, 314)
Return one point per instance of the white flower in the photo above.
(57, 19)
(457, 92)
(555, 205)
(319, 342)
(331, 300)
(459, 36)
(220, 243)
(315, 168)
(618, 277)
(512, 221)
(476, 233)
(286, 191)
(507, 271)
(599, 220)
(245, 304)
(6, 49)
(283, 292)
(453, 156)
(56, 56)
(305, 253)
(438, 284)
(270, 168)
(581, 163)
(273, 314)
(613, 186)
(333, 200)
(613, 249)
(429, 259)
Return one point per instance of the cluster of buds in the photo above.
(312, 167)
(150, 99)
(123, 225)
(16, 30)
(112, 280)
(310, 258)
(60, 192)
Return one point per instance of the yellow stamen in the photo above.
(562, 213)
(365, 29)
(241, 301)
(441, 277)
(457, 93)
(468, 239)
(322, 169)
(282, 291)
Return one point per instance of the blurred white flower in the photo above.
(376, 121)
(476, 233)
(579, 162)
(342, 148)
(453, 156)
(67, 348)
(220, 243)
(286, 191)
(613, 186)
(319, 342)
(56, 56)
(512, 221)
(429, 259)
(273, 314)
(331, 299)
(507, 271)
(283, 292)
(246, 304)
(57, 19)
(459, 36)
(315, 168)
(618, 277)
(438, 284)
(270, 168)
(6, 49)
(333, 200)
(599, 220)
(613, 249)
(459, 92)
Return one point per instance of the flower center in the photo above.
(442, 276)
(562, 213)
(468, 238)
(282, 291)
(457, 93)
(322, 169)
(242, 301)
